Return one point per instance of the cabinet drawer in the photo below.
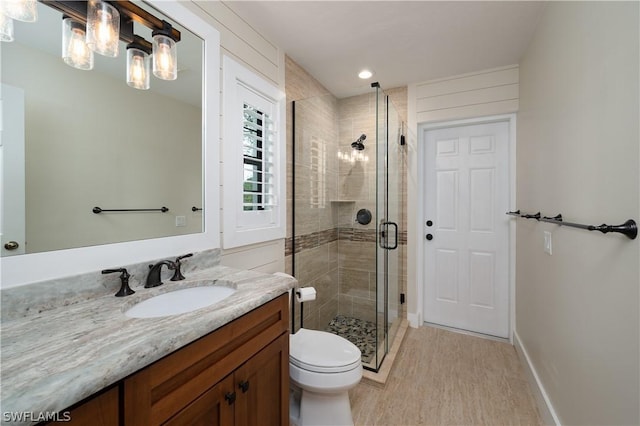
(159, 391)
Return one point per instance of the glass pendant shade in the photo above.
(6, 28)
(75, 51)
(165, 63)
(20, 10)
(138, 68)
(103, 28)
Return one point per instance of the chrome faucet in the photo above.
(154, 279)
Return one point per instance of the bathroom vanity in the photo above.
(227, 363)
(246, 361)
(236, 375)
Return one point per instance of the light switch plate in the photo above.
(547, 242)
(181, 221)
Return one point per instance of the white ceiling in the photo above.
(402, 42)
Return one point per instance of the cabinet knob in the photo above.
(230, 397)
(244, 386)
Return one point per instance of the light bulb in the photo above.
(138, 68)
(75, 51)
(365, 74)
(165, 64)
(103, 28)
(6, 28)
(20, 10)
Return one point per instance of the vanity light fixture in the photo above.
(20, 10)
(103, 28)
(108, 22)
(165, 63)
(6, 28)
(138, 65)
(75, 51)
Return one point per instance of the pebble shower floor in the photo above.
(359, 332)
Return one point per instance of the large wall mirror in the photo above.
(73, 140)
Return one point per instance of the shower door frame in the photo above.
(384, 246)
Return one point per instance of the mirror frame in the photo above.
(31, 268)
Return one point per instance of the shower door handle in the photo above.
(385, 233)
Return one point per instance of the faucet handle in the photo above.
(184, 256)
(125, 290)
(177, 275)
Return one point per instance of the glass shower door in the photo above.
(388, 207)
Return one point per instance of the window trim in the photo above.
(243, 227)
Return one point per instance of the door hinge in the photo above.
(402, 298)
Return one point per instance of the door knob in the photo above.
(429, 237)
(11, 245)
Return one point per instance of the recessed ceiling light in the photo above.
(365, 74)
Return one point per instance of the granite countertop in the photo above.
(55, 358)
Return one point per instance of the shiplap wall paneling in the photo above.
(483, 93)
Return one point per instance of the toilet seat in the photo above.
(323, 352)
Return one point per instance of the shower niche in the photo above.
(348, 234)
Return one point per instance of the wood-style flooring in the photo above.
(446, 378)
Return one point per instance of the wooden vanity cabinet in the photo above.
(252, 395)
(100, 409)
(236, 375)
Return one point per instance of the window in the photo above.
(257, 140)
(253, 158)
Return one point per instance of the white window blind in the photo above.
(258, 160)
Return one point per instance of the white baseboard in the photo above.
(414, 320)
(547, 413)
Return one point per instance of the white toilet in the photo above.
(322, 367)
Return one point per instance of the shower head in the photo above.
(358, 145)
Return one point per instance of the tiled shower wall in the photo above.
(357, 185)
(334, 253)
(316, 176)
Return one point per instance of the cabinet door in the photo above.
(213, 408)
(99, 410)
(262, 386)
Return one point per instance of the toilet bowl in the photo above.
(322, 368)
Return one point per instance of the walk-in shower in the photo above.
(348, 238)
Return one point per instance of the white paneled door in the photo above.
(466, 231)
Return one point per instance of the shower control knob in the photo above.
(429, 237)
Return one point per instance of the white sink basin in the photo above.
(180, 301)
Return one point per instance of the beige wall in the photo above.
(577, 310)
